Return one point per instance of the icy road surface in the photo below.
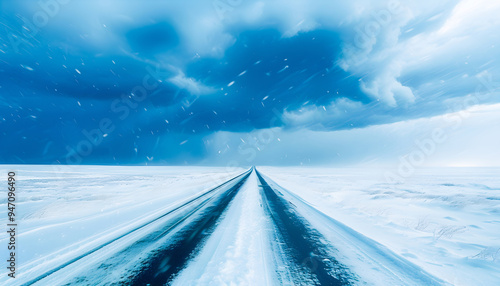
(238, 228)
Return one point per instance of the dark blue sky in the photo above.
(113, 82)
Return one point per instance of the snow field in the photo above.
(61, 215)
(444, 220)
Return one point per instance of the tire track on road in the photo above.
(166, 263)
(311, 260)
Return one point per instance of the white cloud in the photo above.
(382, 54)
(465, 143)
(464, 18)
(190, 84)
(336, 114)
(387, 89)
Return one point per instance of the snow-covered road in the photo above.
(246, 231)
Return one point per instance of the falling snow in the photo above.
(27, 68)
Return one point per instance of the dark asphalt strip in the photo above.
(311, 259)
(52, 271)
(164, 264)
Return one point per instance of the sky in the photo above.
(242, 82)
